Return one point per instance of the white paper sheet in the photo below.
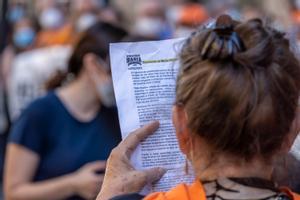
(144, 77)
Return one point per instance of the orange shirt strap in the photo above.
(293, 195)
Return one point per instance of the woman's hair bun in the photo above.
(259, 41)
(222, 41)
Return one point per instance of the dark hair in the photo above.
(95, 40)
(239, 83)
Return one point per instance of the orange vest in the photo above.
(63, 36)
(195, 192)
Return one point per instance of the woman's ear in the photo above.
(89, 62)
(180, 121)
(94, 65)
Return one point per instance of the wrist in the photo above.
(109, 193)
(105, 196)
(71, 180)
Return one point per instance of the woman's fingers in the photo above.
(97, 166)
(154, 174)
(133, 140)
(121, 177)
(137, 180)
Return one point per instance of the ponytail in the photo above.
(56, 81)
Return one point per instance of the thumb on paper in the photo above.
(155, 174)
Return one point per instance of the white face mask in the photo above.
(106, 93)
(51, 18)
(85, 21)
(149, 26)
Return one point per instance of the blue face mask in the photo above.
(15, 14)
(24, 37)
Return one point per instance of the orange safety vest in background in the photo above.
(195, 192)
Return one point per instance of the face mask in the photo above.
(149, 26)
(106, 92)
(24, 37)
(15, 14)
(85, 21)
(51, 18)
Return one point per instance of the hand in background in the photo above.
(87, 183)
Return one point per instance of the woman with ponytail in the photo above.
(235, 113)
(59, 146)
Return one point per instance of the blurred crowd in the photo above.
(43, 36)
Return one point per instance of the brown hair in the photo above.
(95, 40)
(239, 83)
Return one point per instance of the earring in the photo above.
(186, 167)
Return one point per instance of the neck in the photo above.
(78, 98)
(207, 169)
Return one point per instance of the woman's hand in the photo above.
(87, 182)
(120, 177)
(21, 164)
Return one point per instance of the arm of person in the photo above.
(120, 177)
(21, 165)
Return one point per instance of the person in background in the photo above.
(251, 12)
(85, 14)
(21, 34)
(230, 7)
(187, 18)
(236, 111)
(86, 6)
(56, 28)
(23, 39)
(30, 71)
(24, 35)
(4, 127)
(151, 20)
(111, 15)
(58, 147)
(30, 68)
(17, 11)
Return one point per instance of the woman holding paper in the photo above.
(59, 146)
(235, 113)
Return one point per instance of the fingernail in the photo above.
(153, 125)
(155, 122)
